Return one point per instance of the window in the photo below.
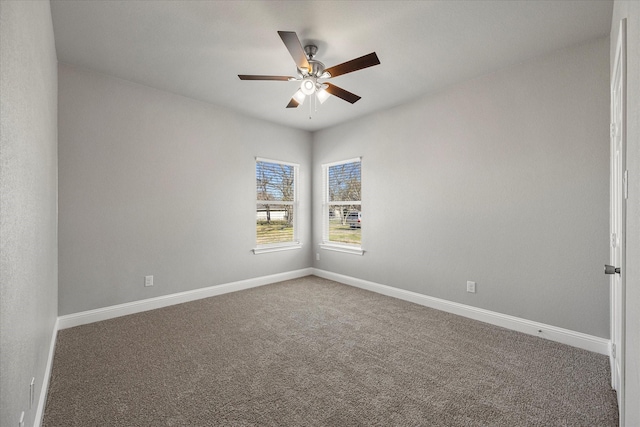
(342, 211)
(276, 206)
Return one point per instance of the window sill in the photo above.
(355, 250)
(277, 248)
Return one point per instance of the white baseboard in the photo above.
(565, 336)
(553, 333)
(90, 316)
(42, 401)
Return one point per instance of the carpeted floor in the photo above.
(314, 352)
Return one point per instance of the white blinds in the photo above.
(342, 207)
(275, 202)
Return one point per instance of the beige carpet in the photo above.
(312, 352)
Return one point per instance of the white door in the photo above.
(617, 216)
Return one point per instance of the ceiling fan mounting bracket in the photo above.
(310, 50)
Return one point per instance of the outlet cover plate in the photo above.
(471, 287)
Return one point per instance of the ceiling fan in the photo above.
(310, 71)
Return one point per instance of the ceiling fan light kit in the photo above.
(322, 95)
(308, 86)
(309, 71)
(299, 97)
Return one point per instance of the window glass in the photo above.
(276, 201)
(342, 204)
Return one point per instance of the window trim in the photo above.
(336, 247)
(276, 247)
(326, 243)
(280, 246)
(282, 162)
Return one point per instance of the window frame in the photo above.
(327, 244)
(279, 246)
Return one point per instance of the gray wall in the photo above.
(28, 214)
(502, 180)
(152, 183)
(631, 11)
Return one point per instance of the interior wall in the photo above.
(152, 183)
(631, 11)
(28, 210)
(502, 180)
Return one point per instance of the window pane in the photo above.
(276, 198)
(274, 224)
(344, 182)
(345, 224)
(274, 181)
(343, 214)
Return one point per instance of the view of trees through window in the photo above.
(275, 190)
(344, 203)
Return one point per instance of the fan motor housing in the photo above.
(316, 68)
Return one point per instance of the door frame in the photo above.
(617, 215)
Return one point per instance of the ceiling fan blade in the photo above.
(341, 93)
(292, 42)
(354, 65)
(293, 103)
(278, 78)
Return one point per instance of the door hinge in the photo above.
(614, 240)
(613, 350)
(612, 129)
(625, 184)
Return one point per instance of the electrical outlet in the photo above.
(148, 281)
(317, 257)
(471, 287)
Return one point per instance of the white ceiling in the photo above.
(197, 48)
